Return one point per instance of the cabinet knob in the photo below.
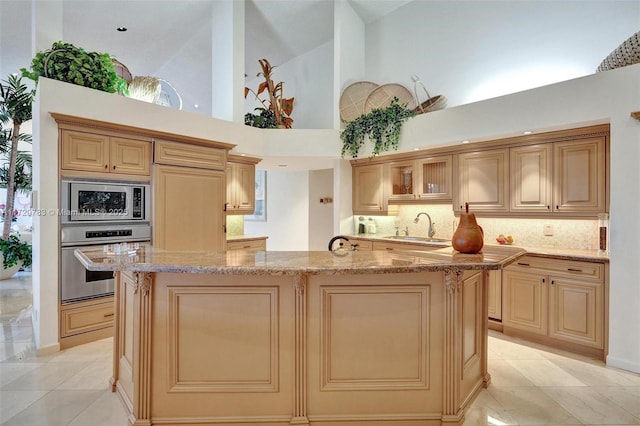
(574, 270)
(543, 281)
(114, 167)
(557, 207)
(553, 282)
(106, 166)
(548, 207)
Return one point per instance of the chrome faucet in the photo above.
(432, 229)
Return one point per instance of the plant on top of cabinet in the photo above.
(72, 64)
(279, 106)
(381, 125)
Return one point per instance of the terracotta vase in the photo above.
(469, 237)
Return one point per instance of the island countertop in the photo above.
(150, 259)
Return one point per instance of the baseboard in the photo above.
(623, 364)
(48, 350)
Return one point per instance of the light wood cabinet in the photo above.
(363, 245)
(557, 300)
(173, 153)
(494, 304)
(189, 208)
(368, 190)
(401, 181)
(91, 152)
(258, 244)
(435, 178)
(580, 176)
(241, 185)
(531, 178)
(483, 181)
(86, 321)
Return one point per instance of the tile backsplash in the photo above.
(567, 233)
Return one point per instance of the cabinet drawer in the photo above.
(182, 154)
(566, 268)
(363, 245)
(247, 245)
(82, 317)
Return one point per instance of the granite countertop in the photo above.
(246, 237)
(595, 256)
(150, 259)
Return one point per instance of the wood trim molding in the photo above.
(300, 283)
(69, 121)
(142, 340)
(532, 139)
(452, 343)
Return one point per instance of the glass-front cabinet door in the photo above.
(435, 178)
(402, 180)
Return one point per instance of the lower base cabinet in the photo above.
(86, 321)
(556, 302)
(260, 244)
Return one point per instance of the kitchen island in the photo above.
(284, 338)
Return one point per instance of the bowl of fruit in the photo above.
(504, 240)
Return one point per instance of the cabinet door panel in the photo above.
(525, 301)
(531, 178)
(188, 209)
(246, 187)
(434, 178)
(130, 156)
(495, 295)
(368, 194)
(576, 311)
(483, 180)
(85, 151)
(579, 176)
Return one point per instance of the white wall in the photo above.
(473, 50)
(287, 212)
(320, 215)
(308, 78)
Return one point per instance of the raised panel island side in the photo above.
(284, 338)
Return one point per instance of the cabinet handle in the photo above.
(557, 207)
(106, 166)
(548, 207)
(388, 248)
(543, 281)
(553, 282)
(114, 167)
(108, 315)
(574, 270)
(246, 246)
(523, 264)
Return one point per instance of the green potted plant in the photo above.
(279, 106)
(15, 108)
(66, 62)
(381, 126)
(15, 253)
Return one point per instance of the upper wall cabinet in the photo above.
(531, 178)
(483, 181)
(435, 178)
(580, 176)
(368, 189)
(103, 153)
(241, 184)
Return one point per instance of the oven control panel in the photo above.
(109, 233)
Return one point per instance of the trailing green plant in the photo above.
(72, 64)
(13, 250)
(265, 119)
(382, 127)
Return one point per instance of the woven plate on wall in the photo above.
(382, 96)
(353, 98)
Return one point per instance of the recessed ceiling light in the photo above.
(196, 106)
(243, 155)
(528, 132)
(465, 141)
(121, 29)
(416, 149)
(282, 165)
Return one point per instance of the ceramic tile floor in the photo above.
(531, 385)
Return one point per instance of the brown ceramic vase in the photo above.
(469, 237)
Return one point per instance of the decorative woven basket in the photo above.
(628, 53)
(353, 98)
(145, 88)
(432, 104)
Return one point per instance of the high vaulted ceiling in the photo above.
(171, 39)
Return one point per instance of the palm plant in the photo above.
(16, 101)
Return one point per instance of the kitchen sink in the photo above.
(419, 239)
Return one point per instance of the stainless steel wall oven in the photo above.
(96, 214)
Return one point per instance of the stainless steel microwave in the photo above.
(103, 201)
